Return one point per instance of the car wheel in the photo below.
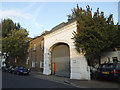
(119, 80)
(14, 72)
(17, 73)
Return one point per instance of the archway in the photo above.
(60, 59)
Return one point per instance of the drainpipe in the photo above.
(35, 60)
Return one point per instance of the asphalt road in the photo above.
(10, 80)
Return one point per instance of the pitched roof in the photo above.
(60, 26)
(39, 36)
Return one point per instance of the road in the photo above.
(10, 80)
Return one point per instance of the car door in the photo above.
(15, 70)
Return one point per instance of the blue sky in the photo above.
(37, 17)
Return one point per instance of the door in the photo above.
(61, 60)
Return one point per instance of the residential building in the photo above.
(35, 56)
(111, 56)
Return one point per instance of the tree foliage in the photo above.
(0, 38)
(15, 43)
(8, 25)
(14, 39)
(95, 33)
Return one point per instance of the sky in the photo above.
(37, 17)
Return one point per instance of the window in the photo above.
(42, 45)
(28, 49)
(33, 64)
(109, 66)
(41, 64)
(34, 47)
(27, 62)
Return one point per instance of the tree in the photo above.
(95, 33)
(8, 25)
(14, 39)
(0, 38)
(15, 42)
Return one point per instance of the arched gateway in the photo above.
(60, 55)
(60, 59)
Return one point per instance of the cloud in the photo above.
(26, 19)
(38, 25)
(15, 14)
(28, 7)
(42, 25)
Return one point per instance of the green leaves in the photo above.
(8, 25)
(95, 34)
(14, 39)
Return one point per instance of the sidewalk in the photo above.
(77, 83)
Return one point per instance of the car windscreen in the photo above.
(21, 67)
(108, 66)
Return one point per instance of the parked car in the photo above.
(11, 69)
(109, 71)
(21, 70)
(5, 69)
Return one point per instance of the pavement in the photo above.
(78, 83)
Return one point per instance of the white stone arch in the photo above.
(59, 41)
(69, 60)
(47, 56)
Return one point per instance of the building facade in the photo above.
(111, 56)
(35, 56)
(60, 55)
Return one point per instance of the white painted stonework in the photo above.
(78, 64)
(2, 59)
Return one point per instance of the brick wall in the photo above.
(36, 53)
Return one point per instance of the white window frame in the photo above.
(27, 62)
(34, 47)
(33, 64)
(28, 49)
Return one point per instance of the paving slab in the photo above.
(78, 83)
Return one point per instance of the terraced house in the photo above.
(35, 56)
